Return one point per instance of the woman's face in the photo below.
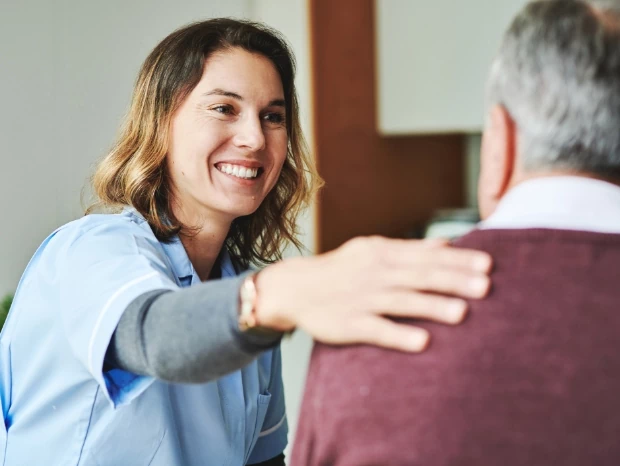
(228, 138)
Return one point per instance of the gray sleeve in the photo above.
(186, 336)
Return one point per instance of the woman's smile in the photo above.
(244, 173)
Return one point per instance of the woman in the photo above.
(122, 348)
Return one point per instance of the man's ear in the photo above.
(497, 159)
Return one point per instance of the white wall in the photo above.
(437, 85)
(65, 84)
(66, 81)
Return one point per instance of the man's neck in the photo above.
(523, 176)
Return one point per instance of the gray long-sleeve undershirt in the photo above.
(186, 336)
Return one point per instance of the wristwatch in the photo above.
(248, 322)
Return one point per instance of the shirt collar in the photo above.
(228, 269)
(567, 203)
(182, 266)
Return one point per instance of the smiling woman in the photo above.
(210, 105)
(156, 345)
(214, 128)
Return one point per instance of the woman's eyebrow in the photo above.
(234, 95)
(224, 93)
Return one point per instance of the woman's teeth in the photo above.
(238, 171)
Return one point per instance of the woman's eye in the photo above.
(275, 118)
(223, 109)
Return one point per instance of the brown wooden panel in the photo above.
(374, 185)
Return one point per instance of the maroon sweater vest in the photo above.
(532, 377)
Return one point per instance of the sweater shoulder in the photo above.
(492, 239)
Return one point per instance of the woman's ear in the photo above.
(497, 159)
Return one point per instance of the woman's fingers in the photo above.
(407, 253)
(419, 305)
(376, 330)
(419, 265)
(340, 297)
(437, 279)
(468, 259)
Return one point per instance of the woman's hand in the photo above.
(343, 296)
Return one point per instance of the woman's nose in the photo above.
(250, 134)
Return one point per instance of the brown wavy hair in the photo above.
(134, 172)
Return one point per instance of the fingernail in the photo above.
(419, 340)
(457, 311)
(479, 286)
(482, 263)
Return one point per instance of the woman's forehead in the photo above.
(243, 74)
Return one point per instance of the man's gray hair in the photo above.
(558, 75)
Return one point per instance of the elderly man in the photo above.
(533, 375)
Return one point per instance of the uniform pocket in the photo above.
(261, 412)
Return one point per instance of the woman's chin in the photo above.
(243, 210)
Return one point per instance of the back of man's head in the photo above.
(556, 83)
(558, 75)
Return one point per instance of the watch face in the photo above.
(248, 323)
(247, 294)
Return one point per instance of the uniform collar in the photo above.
(181, 265)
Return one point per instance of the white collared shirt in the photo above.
(563, 203)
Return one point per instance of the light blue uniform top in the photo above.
(61, 409)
